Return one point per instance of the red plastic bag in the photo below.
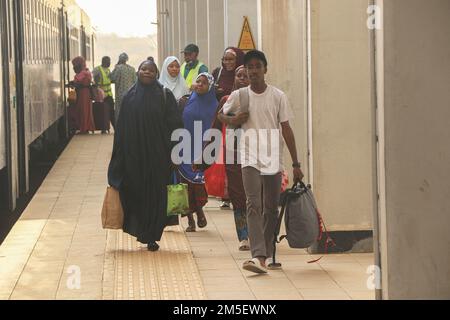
(284, 181)
(215, 176)
(215, 180)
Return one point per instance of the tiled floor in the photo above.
(339, 276)
(58, 250)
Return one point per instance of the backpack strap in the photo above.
(278, 228)
(323, 230)
(244, 99)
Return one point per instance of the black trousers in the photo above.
(110, 101)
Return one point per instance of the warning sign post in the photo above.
(246, 41)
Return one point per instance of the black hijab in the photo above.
(140, 164)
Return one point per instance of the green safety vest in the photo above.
(193, 73)
(105, 82)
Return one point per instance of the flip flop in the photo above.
(255, 266)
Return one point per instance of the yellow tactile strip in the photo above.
(168, 274)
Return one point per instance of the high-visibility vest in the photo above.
(193, 73)
(105, 82)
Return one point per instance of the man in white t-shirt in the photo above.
(261, 150)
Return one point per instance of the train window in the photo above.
(41, 26)
(47, 32)
(44, 25)
(36, 33)
(8, 23)
(47, 36)
(88, 48)
(52, 34)
(33, 30)
(26, 24)
(28, 30)
(74, 43)
(55, 37)
(44, 32)
(44, 36)
(40, 33)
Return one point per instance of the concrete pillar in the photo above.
(413, 85)
(343, 124)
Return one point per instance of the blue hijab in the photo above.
(199, 108)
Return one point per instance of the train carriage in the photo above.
(38, 40)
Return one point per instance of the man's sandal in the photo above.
(254, 265)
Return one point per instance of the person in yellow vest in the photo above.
(192, 67)
(102, 79)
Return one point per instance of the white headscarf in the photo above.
(177, 85)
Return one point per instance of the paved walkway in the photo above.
(58, 250)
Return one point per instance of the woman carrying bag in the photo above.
(141, 166)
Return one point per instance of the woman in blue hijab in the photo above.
(200, 109)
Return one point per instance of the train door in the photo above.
(22, 152)
(14, 131)
(3, 176)
(64, 47)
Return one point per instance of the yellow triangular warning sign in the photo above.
(246, 41)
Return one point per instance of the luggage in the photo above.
(177, 198)
(102, 114)
(303, 222)
(112, 212)
(72, 117)
(72, 96)
(97, 93)
(215, 176)
(284, 181)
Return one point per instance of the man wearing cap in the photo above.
(192, 67)
(124, 77)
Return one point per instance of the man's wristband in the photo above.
(296, 165)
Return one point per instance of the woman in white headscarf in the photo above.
(172, 79)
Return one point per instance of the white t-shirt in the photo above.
(261, 144)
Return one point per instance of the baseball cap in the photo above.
(190, 48)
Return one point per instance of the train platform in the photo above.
(58, 250)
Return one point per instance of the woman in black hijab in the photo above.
(140, 166)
